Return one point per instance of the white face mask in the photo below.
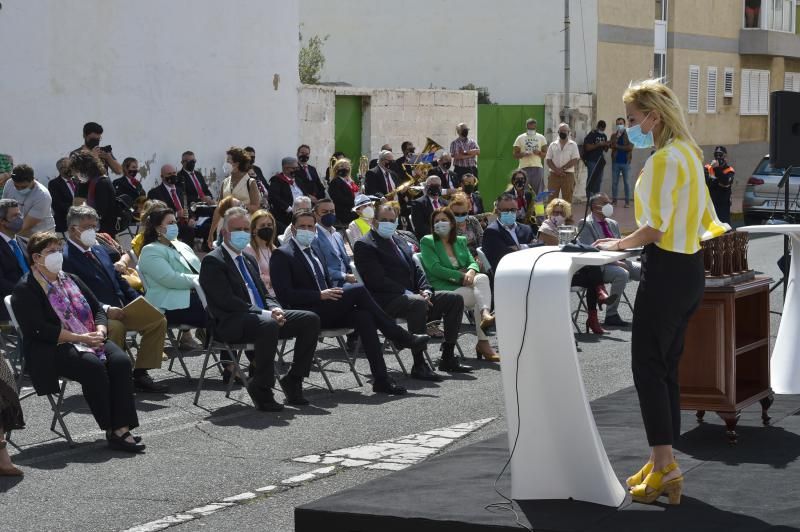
(531, 131)
(54, 261)
(368, 213)
(558, 220)
(89, 238)
(227, 168)
(608, 210)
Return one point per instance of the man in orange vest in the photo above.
(719, 179)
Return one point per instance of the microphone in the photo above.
(579, 247)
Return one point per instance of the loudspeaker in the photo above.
(784, 129)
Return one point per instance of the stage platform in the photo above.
(753, 486)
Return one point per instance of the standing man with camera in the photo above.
(719, 180)
(92, 135)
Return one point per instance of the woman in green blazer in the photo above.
(450, 266)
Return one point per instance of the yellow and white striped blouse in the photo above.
(671, 196)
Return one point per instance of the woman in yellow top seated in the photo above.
(674, 213)
(363, 223)
(450, 266)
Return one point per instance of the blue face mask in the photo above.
(387, 229)
(461, 219)
(638, 138)
(239, 240)
(328, 220)
(24, 191)
(304, 237)
(508, 218)
(171, 232)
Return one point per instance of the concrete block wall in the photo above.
(316, 115)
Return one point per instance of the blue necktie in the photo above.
(323, 284)
(250, 283)
(23, 264)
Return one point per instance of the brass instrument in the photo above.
(331, 163)
(419, 174)
(363, 166)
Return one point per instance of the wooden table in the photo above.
(725, 364)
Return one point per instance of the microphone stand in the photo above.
(784, 182)
(579, 247)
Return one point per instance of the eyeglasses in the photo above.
(558, 213)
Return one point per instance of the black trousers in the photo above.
(447, 306)
(356, 309)
(107, 386)
(721, 198)
(589, 277)
(670, 290)
(264, 333)
(194, 315)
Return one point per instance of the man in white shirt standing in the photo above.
(562, 160)
(529, 148)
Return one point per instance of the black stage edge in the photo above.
(753, 486)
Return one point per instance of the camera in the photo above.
(106, 149)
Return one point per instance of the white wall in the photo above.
(160, 76)
(513, 47)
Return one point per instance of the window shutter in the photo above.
(711, 90)
(694, 88)
(728, 83)
(744, 101)
(763, 92)
(787, 81)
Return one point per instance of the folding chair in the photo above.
(213, 346)
(55, 403)
(582, 306)
(483, 262)
(340, 335)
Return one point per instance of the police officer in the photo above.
(719, 179)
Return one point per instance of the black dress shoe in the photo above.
(143, 382)
(423, 372)
(262, 398)
(452, 365)
(137, 439)
(120, 443)
(615, 321)
(226, 377)
(388, 386)
(415, 342)
(293, 390)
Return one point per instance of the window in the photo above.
(659, 66)
(711, 90)
(728, 83)
(661, 10)
(791, 81)
(774, 15)
(755, 92)
(694, 88)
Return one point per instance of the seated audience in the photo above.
(33, 199)
(192, 181)
(244, 312)
(129, 184)
(522, 194)
(505, 235)
(343, 191)
(256, 173)
(214, 236)
(558, 212)
(450, 180)
(300, 203)
(64, 334)
(337, 155)
(301, 282)
(262, 244)
(11, 417)
(423, 207)
(284, 189)
(365, 212)
(381, 179)
(85, 258)
(137, 243)
(168, 268)
(467, 226)
(307, 175)
(469, 186)
(401, 289)
(451, 268)
(14, 263)
(374, 162)
(238, 183)
(96, 189)
(62, 190)
(329, 244)
(599, 224)
(174, 196)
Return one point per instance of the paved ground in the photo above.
(197, 456)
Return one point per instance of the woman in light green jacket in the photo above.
(450, 266)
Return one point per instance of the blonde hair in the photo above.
(459, 198)
(342, 162)
(558, 202)
(254, 219)
(652, 95)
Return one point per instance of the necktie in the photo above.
(606, 229)
(23, 264)
(197, 186)
(249, 281)
(71, 185)
(174, 194)
(323, 284)
(435, 204)
(389, 187)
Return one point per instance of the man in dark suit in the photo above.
(256, 172)
(299, 277)
(192, 181)
(14, 263)
(505, 235)
(400, 287)
(171, 193)
(62, 190)
(374, 162)
(408, 156)
(97, 189)
(129, 184)
(422, 208)
(283, 190)
(89, 261)
(307, 176)
(469, 185)
(381, 179)
(244, 312)
(450, 180)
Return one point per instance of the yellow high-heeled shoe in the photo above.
(654, 486)
(638, 478)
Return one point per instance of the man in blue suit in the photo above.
(14, 263)
(89, 261)
(329, 244)
(301, 281)
(505, 235)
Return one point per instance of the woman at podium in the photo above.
(674, 213)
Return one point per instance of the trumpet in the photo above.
(363, 166)
(331, 163)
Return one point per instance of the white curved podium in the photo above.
(559, 454)
(785, 362)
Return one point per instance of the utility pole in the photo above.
(565, 110)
